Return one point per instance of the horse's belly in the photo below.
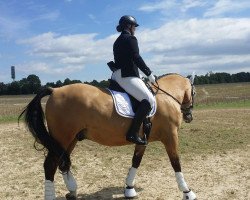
(107, 138)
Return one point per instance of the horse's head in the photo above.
(188, 101)
(177, 84)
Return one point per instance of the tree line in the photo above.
(32, 84)
(214, 78)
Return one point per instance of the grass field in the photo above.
(232, 95)
(12, 105)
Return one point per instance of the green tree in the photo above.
(14, 88)
(94, 83)
(50, 84)
(76, 81)
(25, 89)
(104, 84)
(3, 88)
(67, 81)
(34, 83)
(59, 83)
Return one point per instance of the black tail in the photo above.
(34, 119)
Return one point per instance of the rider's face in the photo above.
(132, 29)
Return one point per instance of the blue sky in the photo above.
(73, 38)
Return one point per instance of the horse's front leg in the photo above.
(171, 145)
(130, 180)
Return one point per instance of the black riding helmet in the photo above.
(126, 20)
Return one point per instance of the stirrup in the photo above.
(137, 140)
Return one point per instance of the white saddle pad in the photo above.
(123, 104)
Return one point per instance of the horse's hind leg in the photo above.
(71, 185)
(130, 180)
(69, 179)
(50, 166)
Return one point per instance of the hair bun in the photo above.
(119, 28)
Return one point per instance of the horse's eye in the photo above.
(193, 92)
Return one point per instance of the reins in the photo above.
(184, 110)
(157, 87)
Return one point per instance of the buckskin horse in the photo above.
(81, 111)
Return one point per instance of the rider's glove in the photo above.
(151, 78)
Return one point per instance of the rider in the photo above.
(128, 60)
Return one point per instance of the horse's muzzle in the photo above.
(188, 117)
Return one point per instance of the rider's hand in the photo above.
(151, 78)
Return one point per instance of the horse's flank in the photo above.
(73, 108)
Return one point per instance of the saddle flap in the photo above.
(123, 104)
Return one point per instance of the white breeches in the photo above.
(134, 86)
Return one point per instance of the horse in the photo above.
(81, 111)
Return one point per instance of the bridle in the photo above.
(186, 107)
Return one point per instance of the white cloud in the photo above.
(11, 26)
(222, 7)
(170, 6)
(34, 67)
(188, 4)
(45, 68)
(71, 48)
(209, 8)
(70, 53)
(205, 44)
(190, 33)
(93, 18)
(178, 46)
(160, 5)
(201, 64)
(51, 16)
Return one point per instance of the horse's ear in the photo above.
(192, 78)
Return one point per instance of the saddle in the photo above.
(113, 85)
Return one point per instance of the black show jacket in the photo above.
(127, 56)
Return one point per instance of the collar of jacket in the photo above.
(126, 32)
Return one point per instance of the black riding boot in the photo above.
(141, 113)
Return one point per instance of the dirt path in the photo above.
(100, 172)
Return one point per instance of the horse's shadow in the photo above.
(104, 194)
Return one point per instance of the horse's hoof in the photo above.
(71, 196)
(130, 193)
(190, 195)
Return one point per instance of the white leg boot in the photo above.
(71, 184)
(130, 182)
(49, 193)
(187, 193)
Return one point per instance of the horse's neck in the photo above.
(174, 85)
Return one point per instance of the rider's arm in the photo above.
(136, 56)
